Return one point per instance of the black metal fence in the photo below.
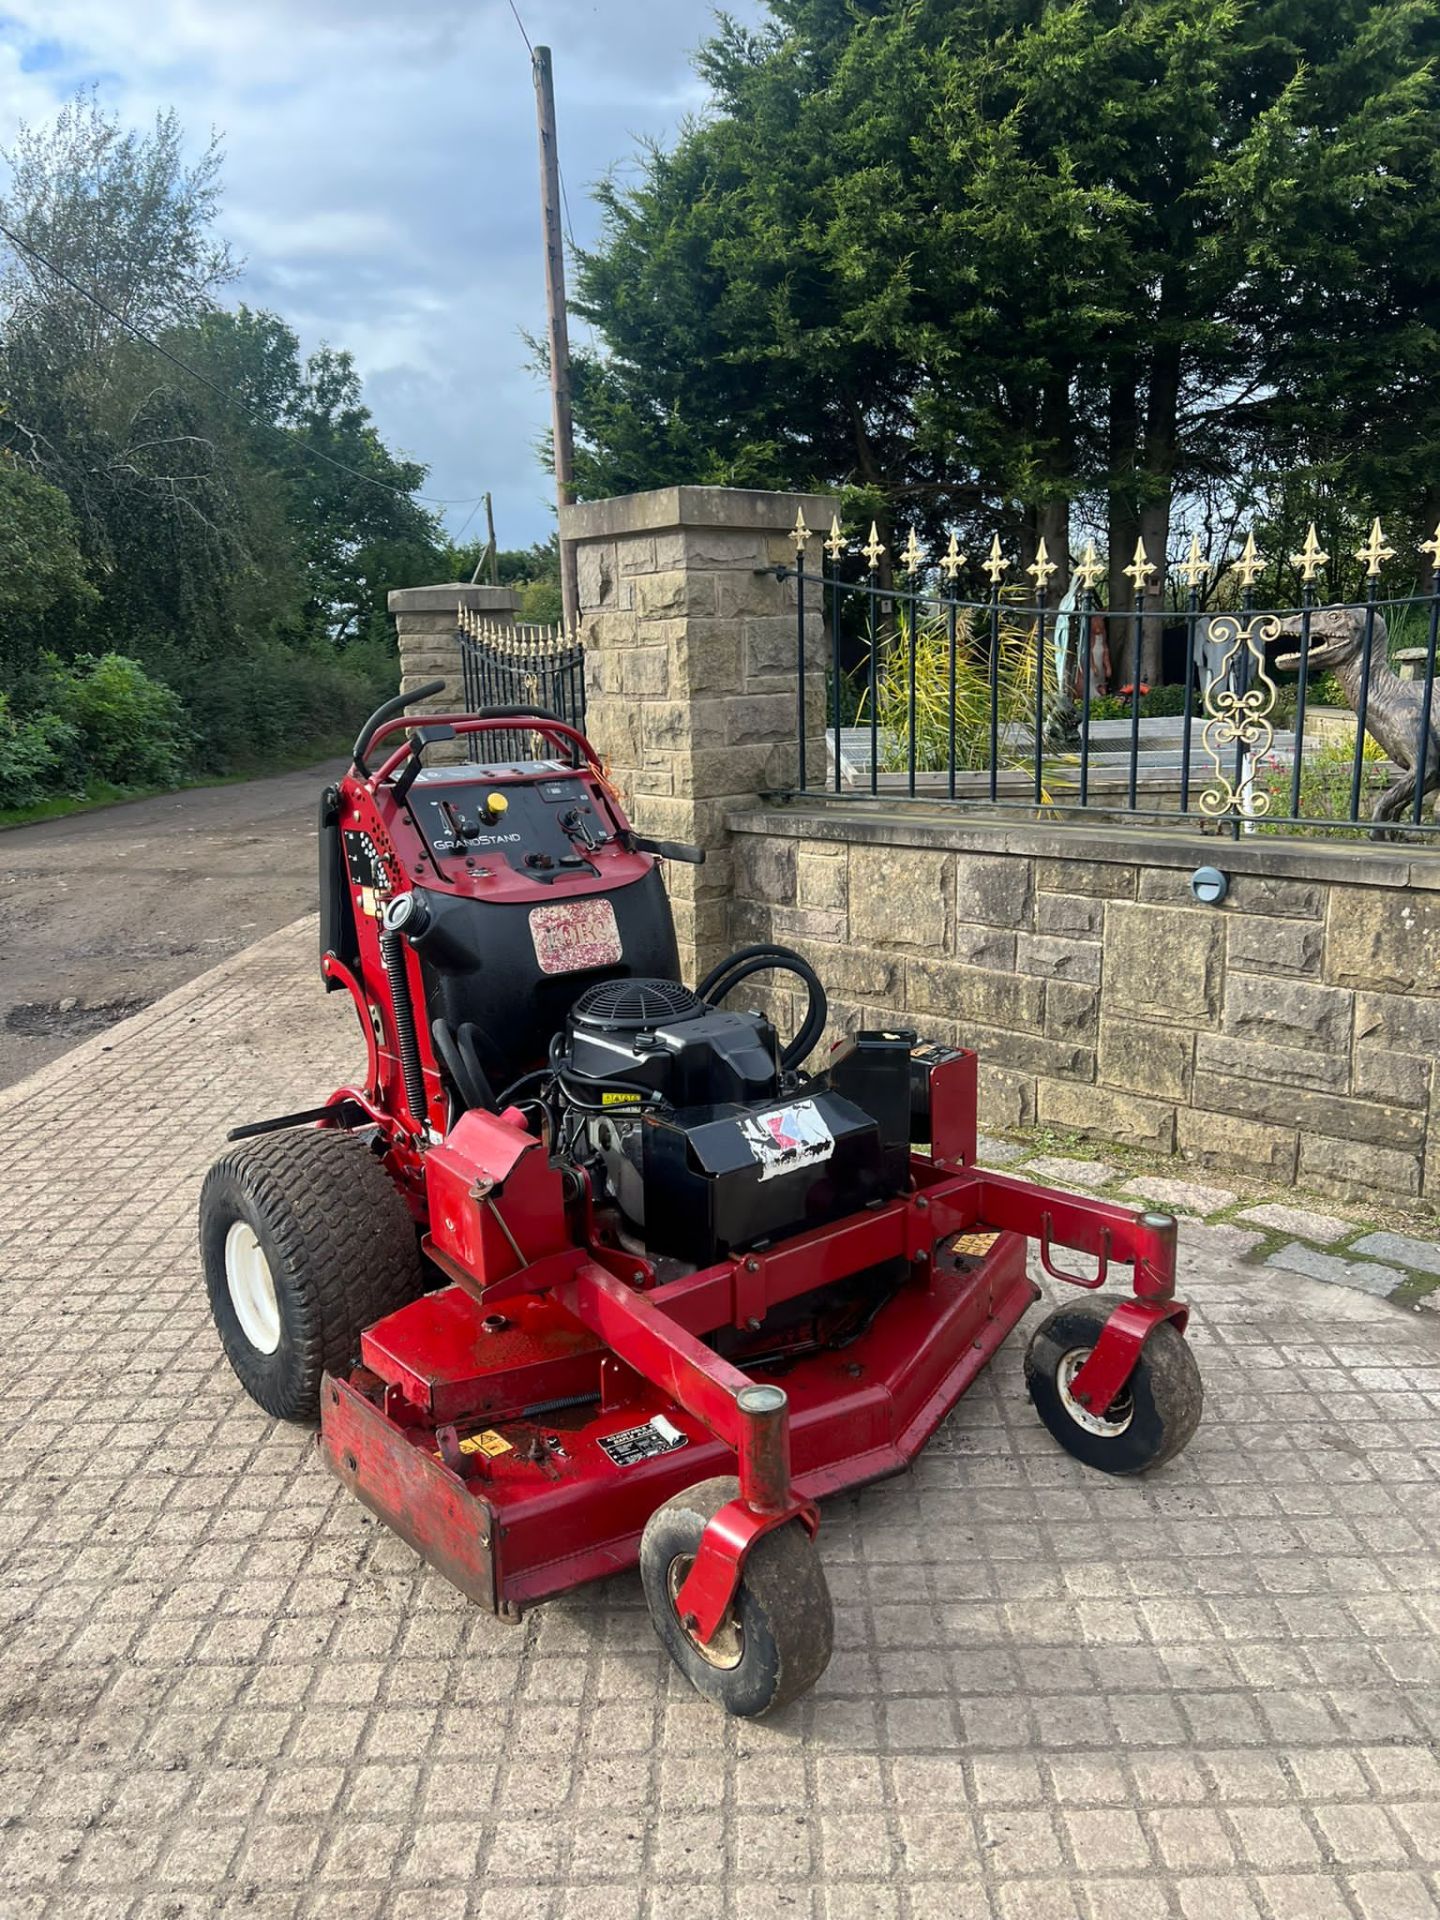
(508, 665)
(1292, 719)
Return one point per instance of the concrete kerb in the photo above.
(37, 1086)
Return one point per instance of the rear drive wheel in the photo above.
(1151, 1419)
(775, 1641)
(305, 1241)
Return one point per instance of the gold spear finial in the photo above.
(997, 566)
(800, 533)
(1042, 568)
(1090, 569)
(1309, 559)
(913, 556)
(1139, 569)
(1193, 567)
(874, 548)
(952, 560)
(1374, 551)
(1251, 563)
(835, 545)
(1432, 547)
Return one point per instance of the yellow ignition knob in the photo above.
(495, 805)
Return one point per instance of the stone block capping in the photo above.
(1291, 1033)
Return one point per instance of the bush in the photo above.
(131, 728)
(104, 719)
(1155, 703)
(1326, 774)
(277, 700)
(39, 756)
(929, 640)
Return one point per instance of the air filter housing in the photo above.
(630, 1006)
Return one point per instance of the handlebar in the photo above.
(491, 720)
(386, 711)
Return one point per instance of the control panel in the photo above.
(539, 818)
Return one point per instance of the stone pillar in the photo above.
(690, 669)
(428, 633)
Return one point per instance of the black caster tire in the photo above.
(776, 1640)
(1153, 1418)
(305, 1241)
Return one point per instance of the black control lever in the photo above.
(421, 738)
(575, 826)
(667, 849)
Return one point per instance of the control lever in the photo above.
(574, 824)
(452, 820)
(402, 781)
(667, 849)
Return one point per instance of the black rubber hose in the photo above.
(392, 948)
(468, 1041)
(455, 1065)
(722, 980)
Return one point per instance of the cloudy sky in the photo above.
(381, 178)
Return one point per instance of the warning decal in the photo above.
(573, 935)
(490, 1443)
(788, 1139)
(634, 1444)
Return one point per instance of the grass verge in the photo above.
(102, 793)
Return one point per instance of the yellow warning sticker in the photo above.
(367, 902)
(973, 1243)
(620, 1099)
(490, 1443)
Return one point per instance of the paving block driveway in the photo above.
(224, 1690)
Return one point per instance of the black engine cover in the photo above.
(725, 1176)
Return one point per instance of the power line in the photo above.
(521, 25)
(228, 396)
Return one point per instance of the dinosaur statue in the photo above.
(1394, 709)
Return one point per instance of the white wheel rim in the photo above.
(252, 1288)
(1110, 1424)
(727, 1648)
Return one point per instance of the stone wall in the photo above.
(690, 670)
(1291, 1032)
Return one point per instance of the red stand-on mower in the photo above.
(591, 1269)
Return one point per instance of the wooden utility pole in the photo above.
(489, 559)
(490, 536)
(564, 430)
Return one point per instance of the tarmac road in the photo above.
(103, 912)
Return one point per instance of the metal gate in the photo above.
(505, 665)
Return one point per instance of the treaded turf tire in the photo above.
(1153, 1418)
(781, 1626)
(341, 1252)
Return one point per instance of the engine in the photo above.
(693, 1126)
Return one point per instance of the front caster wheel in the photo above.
(775, 1642)
(1155, 1413)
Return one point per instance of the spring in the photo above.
(392, 949)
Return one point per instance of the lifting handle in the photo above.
(1059, 1273)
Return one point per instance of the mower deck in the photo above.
(534, 1504)
(510, 1433)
